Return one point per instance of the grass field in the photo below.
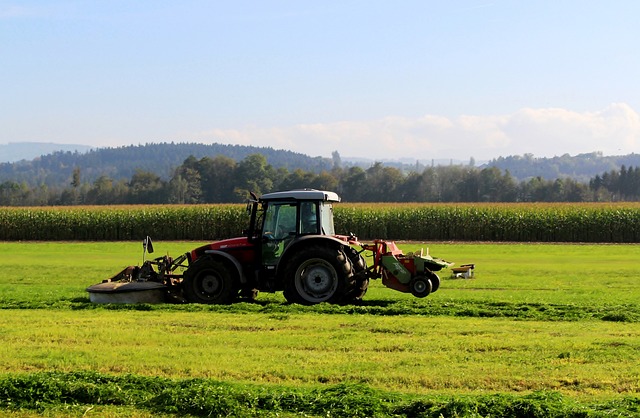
(541, 325)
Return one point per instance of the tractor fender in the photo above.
(304, 241)
(228, 257)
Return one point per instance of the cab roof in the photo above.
(302, 194)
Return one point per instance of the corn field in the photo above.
(590, 222)
(493, 222)
(122, 223)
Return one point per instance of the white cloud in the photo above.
(613, 130)
(543, 132)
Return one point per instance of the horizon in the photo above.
(430, 80)
(353, 159)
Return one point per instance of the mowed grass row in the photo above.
(585, 222)
(73, 394)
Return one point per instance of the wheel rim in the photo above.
(209, 285)
(419, 286)
(316, 280)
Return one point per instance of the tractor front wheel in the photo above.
(317, 274)
(209, 281)
(420, 286)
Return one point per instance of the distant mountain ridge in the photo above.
(581, 167)
(56, 169)
(17, 151)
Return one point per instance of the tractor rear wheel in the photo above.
(361, 279)
(317, 274)
(209, 281)
(420, 286)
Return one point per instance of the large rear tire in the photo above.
(360, 276)
(209, 281)
(317, 274)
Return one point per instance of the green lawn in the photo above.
(562, 318)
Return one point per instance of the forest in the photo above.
(222, 179)
(56, 168)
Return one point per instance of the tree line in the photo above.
(222, 179)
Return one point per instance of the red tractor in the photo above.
(290, 246)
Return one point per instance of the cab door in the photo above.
(278, 230)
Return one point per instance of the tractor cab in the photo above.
(282, 217)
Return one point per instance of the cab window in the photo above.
(308, 218)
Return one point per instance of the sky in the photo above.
(383, 80)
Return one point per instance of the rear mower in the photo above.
(410, 273)
(290, 246)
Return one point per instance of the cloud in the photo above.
(542, 132)
(613, 130)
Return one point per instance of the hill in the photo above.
(56, 169)
(16, 151)
(581, 167)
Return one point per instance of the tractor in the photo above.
(290, 246)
